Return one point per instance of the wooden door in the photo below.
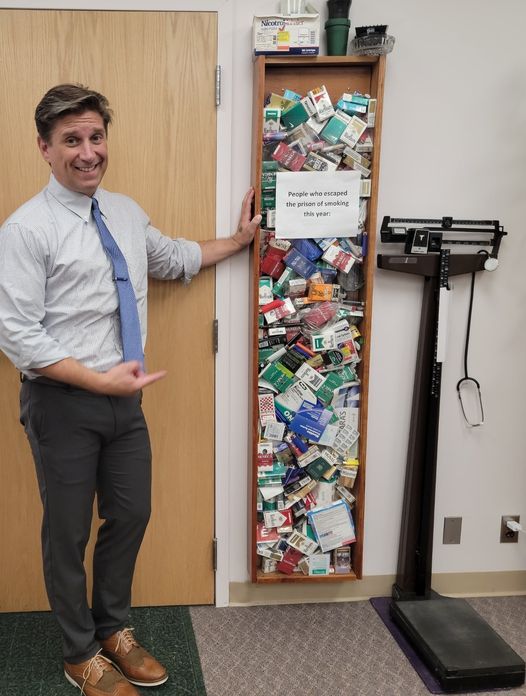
(157, 70)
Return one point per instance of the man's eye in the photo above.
(98, 138)
(71, 141)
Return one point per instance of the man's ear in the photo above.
(43, 146)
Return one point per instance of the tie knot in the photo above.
(95, 205)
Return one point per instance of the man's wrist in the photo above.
(237, 244)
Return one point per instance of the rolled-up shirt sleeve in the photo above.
(23, 337)
(169, 259)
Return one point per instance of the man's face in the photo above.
(77, 151)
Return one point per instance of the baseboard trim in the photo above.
(492, 584)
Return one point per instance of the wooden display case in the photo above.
(346, 74)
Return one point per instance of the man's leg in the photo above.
(124, 484)
(64, 427)
(124, 492)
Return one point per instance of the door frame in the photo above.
(224, 225)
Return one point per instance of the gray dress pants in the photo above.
(87, 444)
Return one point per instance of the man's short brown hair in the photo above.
(67, 99)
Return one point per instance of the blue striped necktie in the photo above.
(130, 325)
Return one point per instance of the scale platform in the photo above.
(461, 649)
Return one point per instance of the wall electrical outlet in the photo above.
(507, 535)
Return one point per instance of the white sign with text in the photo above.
(312, 205)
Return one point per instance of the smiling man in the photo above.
(74, 263)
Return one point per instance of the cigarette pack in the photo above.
(317, 126)
(365, 188)
(342, 560)
(355, 98)
(278, 101)
(318, 468)
(351, 108)
(302, 543)
(272, 265)
(275, 518)
(279, 285)
(271, 120)
(295, 115)
(267, 412)
(354, 130)
(284, 309)
(297, 286)
(317, 564)
(320, 315)
(292, 96)
(324, 293)
(317, 163)
(308, 248)
(290, 560)
(371, 113)
(265, 535)
(269, 552)
(335, 128)
(265, 290)
(277, 376)
(338, 258)
(288, 158)
(310, 376)
(345, 494)
(268, 565)
(292, 360)
(324, 493)
(322, 103)
(301, 265)
(274, 431)
(365, 143)
(323, 341)
(302, 492)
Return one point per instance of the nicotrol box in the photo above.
(276, 35)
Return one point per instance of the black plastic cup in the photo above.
(339, 9)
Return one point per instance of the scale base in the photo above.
(461, 649)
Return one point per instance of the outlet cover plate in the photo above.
(452, 530)
(507, 536)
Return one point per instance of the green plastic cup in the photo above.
(337, 31)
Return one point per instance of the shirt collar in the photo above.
(78, 203)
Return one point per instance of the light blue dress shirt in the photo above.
(57, 295)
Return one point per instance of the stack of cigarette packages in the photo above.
(310, 343)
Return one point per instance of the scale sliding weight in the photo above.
(461, 649)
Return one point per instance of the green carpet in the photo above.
(30, 647)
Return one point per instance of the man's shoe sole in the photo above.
(71, 680)
(133, 681)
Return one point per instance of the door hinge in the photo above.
(218, 85)
(215, 335)
(214, 554)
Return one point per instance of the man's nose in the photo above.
(87, 151)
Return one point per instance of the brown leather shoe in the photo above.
(98, 677)
(136, 664)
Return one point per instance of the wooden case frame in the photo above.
(364, 74)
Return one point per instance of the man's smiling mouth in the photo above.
(88, 169)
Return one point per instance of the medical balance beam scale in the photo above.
(461, 649)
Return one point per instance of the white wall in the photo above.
(452, 144)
